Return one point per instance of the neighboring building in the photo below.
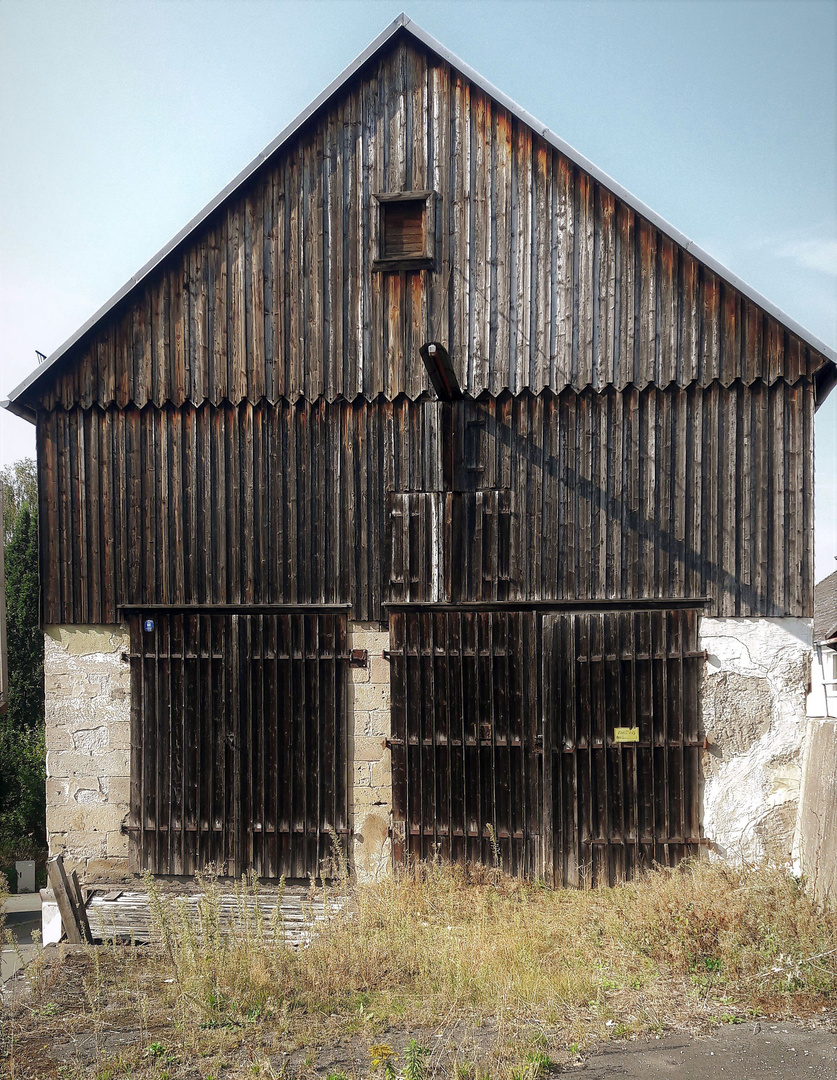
(822, 700)
(554, 594)
(815, 842)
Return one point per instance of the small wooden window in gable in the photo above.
(403, 230)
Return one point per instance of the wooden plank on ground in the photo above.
(81, 910)
(65, 899)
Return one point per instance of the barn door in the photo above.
(610, 805)
(238, 741)
(466, 747)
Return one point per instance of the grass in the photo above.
(529, 975)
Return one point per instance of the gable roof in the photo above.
(403, 25)
(825, 609)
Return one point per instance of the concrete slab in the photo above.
(12, 960)
(752, 1051)
(23, 902)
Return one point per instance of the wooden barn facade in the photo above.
(303, 576)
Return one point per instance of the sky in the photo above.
(120, 120)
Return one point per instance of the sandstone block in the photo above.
(67, 818)
(360, 773)
(358, 720)
(106, 869)
(94, 819)
(86, 789)
(87, 640)
(367, 749)
(54, 683)
(358, 675)
(75, 862)
(118, 789)
(364, 797)
(58, 738)
(90, 797)
(87, 845)
(91, 740)
(381, 773)
(369, 696)
(57, 792)
(358, 626)
(373, 642)
(372, 846)
(117, 844)
(72, 763)
(379, 722)
(57, 842)
(120, 735)
(379, 669)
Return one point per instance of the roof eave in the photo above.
(17, 408)
(405, 23)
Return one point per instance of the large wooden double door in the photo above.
(238, 740)
(506, 740)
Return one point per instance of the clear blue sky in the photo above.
(119, 121)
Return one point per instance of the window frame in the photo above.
(427, 261)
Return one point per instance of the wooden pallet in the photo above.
(125, 915)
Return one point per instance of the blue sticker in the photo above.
(148, 625)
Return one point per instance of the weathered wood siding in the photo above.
(543, 278)
(634, 494)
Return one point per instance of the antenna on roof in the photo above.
(41, 356)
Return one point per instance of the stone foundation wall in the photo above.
(370, 765)
(753, 711)
(88, 741)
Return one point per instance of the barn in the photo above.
(430, 495)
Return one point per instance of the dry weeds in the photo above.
(492, 976)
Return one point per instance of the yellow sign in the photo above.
(626, 734)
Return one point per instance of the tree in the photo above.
(22, 750)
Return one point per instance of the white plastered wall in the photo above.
(753, 710)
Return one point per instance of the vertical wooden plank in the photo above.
(646, 277)
(583, 284)
(479, 300)
(605, 289)
(460, 196)
(501, 242)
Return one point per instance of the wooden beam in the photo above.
(81, 908)
(65, 899)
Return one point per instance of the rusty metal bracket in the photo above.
(359, 658)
